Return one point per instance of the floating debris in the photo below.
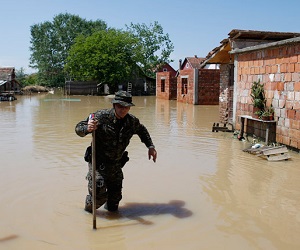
(7, 97)
(270, 153)
(216, 127)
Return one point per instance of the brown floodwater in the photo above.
(203, 192)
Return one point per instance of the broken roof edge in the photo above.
(235, 33)
(213, 53)
(2, 82)
(266, 45)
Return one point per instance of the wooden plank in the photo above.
(279, 157)
(221, 129)
(273, 151)
(217, 128)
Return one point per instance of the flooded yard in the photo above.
(203, 192)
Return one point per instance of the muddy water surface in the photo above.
(203, 192)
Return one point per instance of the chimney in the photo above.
(196, 56)
(180, 61)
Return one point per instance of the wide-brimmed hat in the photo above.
(123, 98)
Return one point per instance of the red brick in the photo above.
(294, 59)
(292, 133)
(274, 69)
(288, 77)
(297, 105)
(295, 124)
(278, 60)
(262, 70)
(294, 143)
(268, 86)
(295, 77)
(286, 140)
(275, 52)
(291, 114)
(273, 86)
(297, 86)
(285, 60)
(272, 61)
(279, 138)
(283, 68)
(284, 131)
(270, 95)
(291, 67)
(268, 69)
(280, 86)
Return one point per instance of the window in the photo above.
(184, 86)
(165, 69)
(162, 85)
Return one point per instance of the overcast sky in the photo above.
(195, 26)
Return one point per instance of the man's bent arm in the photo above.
(81, 128)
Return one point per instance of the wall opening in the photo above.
(163, 85)
(184, 86)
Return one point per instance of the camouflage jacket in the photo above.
(113, 135)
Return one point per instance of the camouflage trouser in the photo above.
(108, 187)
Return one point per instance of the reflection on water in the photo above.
(202, 193)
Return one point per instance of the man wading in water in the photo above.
(113, 130)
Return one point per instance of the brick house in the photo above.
(274, 59)
(221, 55)
(195, 84)
(8, 80)
(277, 66)
(166, 82)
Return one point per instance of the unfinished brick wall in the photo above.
(224, 93)
(169, 90)
(278, 68)
(209, 86)
(189, 96)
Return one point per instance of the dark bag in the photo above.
(124, 159)
(88, 154)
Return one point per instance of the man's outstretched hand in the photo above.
(152, 152)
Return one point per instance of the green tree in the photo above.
(25, 79)
(51, 41)
(156, 47)
(106, 56)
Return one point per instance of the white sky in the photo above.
(195, 26)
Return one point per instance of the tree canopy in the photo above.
(51, 42)
(107, 56)
(73, 47)
(156, 47)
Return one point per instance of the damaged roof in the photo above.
(238, 39)
(6, 72)
(261, 35)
